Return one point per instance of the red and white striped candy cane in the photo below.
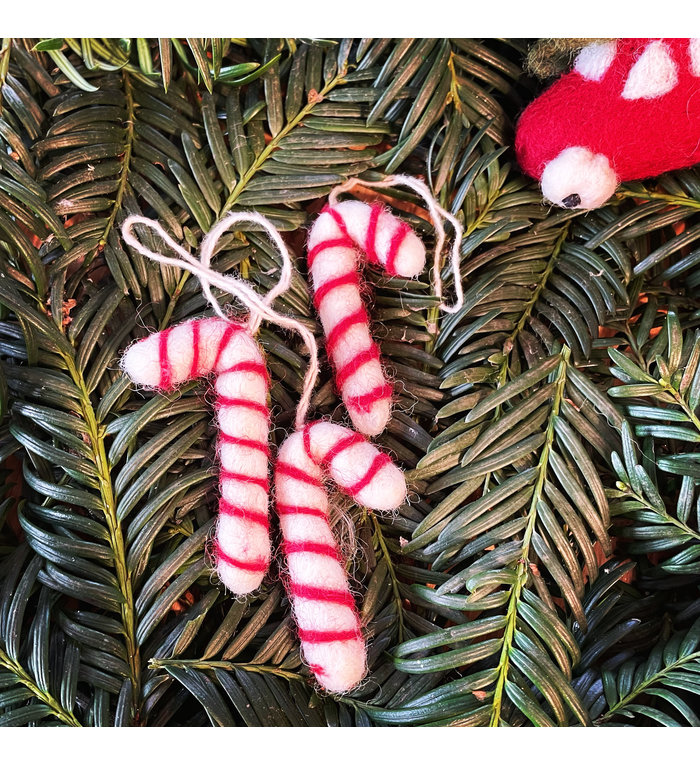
(338, 235)
(324, 608)
(225, 349)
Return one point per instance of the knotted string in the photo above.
(437, 215)
(259, 308)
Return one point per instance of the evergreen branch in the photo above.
(274, 143)
(392, 575)
(95, 435)
(672, 199)
(523, 564)
(229, 666)
(65, 716)
(647, 683)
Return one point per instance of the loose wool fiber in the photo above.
(630, 109)
(324, 608)
(339, 235)
(226, 349)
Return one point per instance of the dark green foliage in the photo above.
(546, 568)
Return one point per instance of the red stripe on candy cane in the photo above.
(318, 636)
(245, 513)
(222, 348)
(300, 510)
(322, 593)
(323, 606)
(255, 406)
(339, 236)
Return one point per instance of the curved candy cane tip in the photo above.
(373, 421)
(237, 581)
(386, 491)
(410, 256)
(141, 362)
(338, 666)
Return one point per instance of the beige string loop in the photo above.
(437, 215)
(259, 308)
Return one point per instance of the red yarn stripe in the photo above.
(284, 468)
(331, 284)
(248, 366)
(377, 464)
(342, 597)
(318, 636)
(370, 239)
(244, 402)
(166, 373)
(306, 437)
(230, 329)
(396, 241)
(318, 548)
(251, 443)
(342, 445)
(364, 402)
(358, 317)
(362, 358)
(316, 512)
(194, 367)
(327, 244)
(245, 513)
(257, 565)
(230, 475)
(338, 218)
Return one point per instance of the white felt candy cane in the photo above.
(324, 608)
(227, 350)
(336, 237)
(341, 231)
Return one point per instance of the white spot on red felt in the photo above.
(653, 74)
(694, 53)
(595, 59)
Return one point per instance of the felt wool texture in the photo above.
(225, 349)
(324, 609)
(634, 116)
(340, 233)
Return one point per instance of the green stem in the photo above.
(245, 179)
(126, 161)
(527, 312)
(670, 198)
(392, 575)
(66, 717)
(260, 160)
(116, 538)
(523, 565)
(625, 700)
(227, 665)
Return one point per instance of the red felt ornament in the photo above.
(629, 109)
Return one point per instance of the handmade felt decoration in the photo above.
(338, 236)
(227, 350)
(324, 608)
(343, 232)
(629, 109)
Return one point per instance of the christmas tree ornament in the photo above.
(324, 608)
(628, 110)
(227, 350)
(342, 234)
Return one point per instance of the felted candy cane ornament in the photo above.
(324, 609)
(323, 606)
(629, 110)
(227, 350)
(343, 232)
